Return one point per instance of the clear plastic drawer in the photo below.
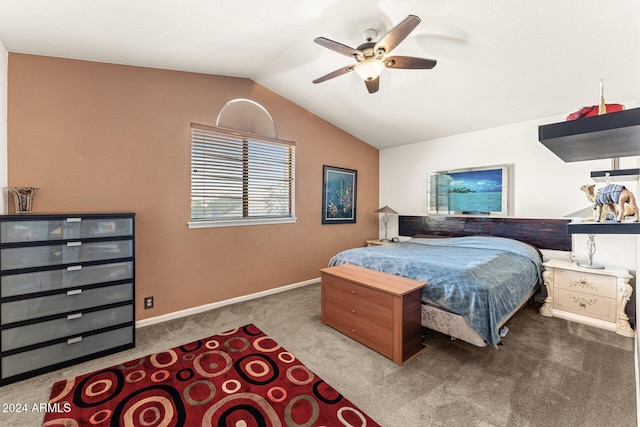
(71, 276)
(71, 252)
(63, 228)
(72, 349)
(72, 301)
(74, 324)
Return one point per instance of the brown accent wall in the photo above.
(104, 137)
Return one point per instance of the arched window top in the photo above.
(247, 116)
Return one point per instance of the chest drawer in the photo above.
(74, 324)
(352, 311)
(593, 284)
(75, 348)
(68, 277)
(354, 294)
(367, 326)
(72, 301)
(69, 253)
(585, 304)
(14, 231)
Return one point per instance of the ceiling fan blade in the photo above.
(338, 47)
(336, 73)
(409, 62)
(398, 33)
(373, 85)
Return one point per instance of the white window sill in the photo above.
(240, 222)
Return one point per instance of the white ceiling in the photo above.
(499, 61)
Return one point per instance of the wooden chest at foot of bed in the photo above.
(379, 310)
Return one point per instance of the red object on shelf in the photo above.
(593, 111)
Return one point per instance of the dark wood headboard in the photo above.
(541, 233)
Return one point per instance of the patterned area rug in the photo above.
(240, 378)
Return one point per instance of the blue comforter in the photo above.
(480, 278)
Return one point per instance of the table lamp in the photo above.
(386, 210)
(582, 215)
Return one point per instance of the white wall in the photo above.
(543, 186)
(4, 58)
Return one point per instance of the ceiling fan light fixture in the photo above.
(369, 69)
(371, 57)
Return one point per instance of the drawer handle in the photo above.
(353, 311)
(74, 219)
(74, 243)
(74, 316)
(74, 340)
(74, 292)
(353, 330)
(74, 268)
(353, 292)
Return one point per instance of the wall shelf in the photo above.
(616, 175)
(609, 227)
(598, 137)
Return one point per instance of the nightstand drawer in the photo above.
(585, 304)
(593, 284)
(357, 294)
(72, 301)
(69, 277)
(73, 324)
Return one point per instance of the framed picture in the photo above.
(338, 195)
(471, 191)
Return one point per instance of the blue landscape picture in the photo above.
(471, 191)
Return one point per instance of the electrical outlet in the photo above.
(148, 302)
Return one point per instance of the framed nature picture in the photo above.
(338, 195)
(472, 191)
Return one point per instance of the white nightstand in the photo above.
(593, 297)
(378, 243)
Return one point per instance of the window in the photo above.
(239, 178)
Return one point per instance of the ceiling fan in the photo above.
(372, 57)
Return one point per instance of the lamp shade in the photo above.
(369, 69)
(386, 210)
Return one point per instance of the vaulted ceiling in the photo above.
(499, 61)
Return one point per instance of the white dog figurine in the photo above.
(621, 202)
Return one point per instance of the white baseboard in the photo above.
(207, 307)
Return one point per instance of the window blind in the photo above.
(236, 176)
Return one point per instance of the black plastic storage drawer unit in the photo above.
(67, 290)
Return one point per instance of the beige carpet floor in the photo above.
(549, 372)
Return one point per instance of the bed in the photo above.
(479, 271)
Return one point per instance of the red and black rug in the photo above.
(240, 378)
